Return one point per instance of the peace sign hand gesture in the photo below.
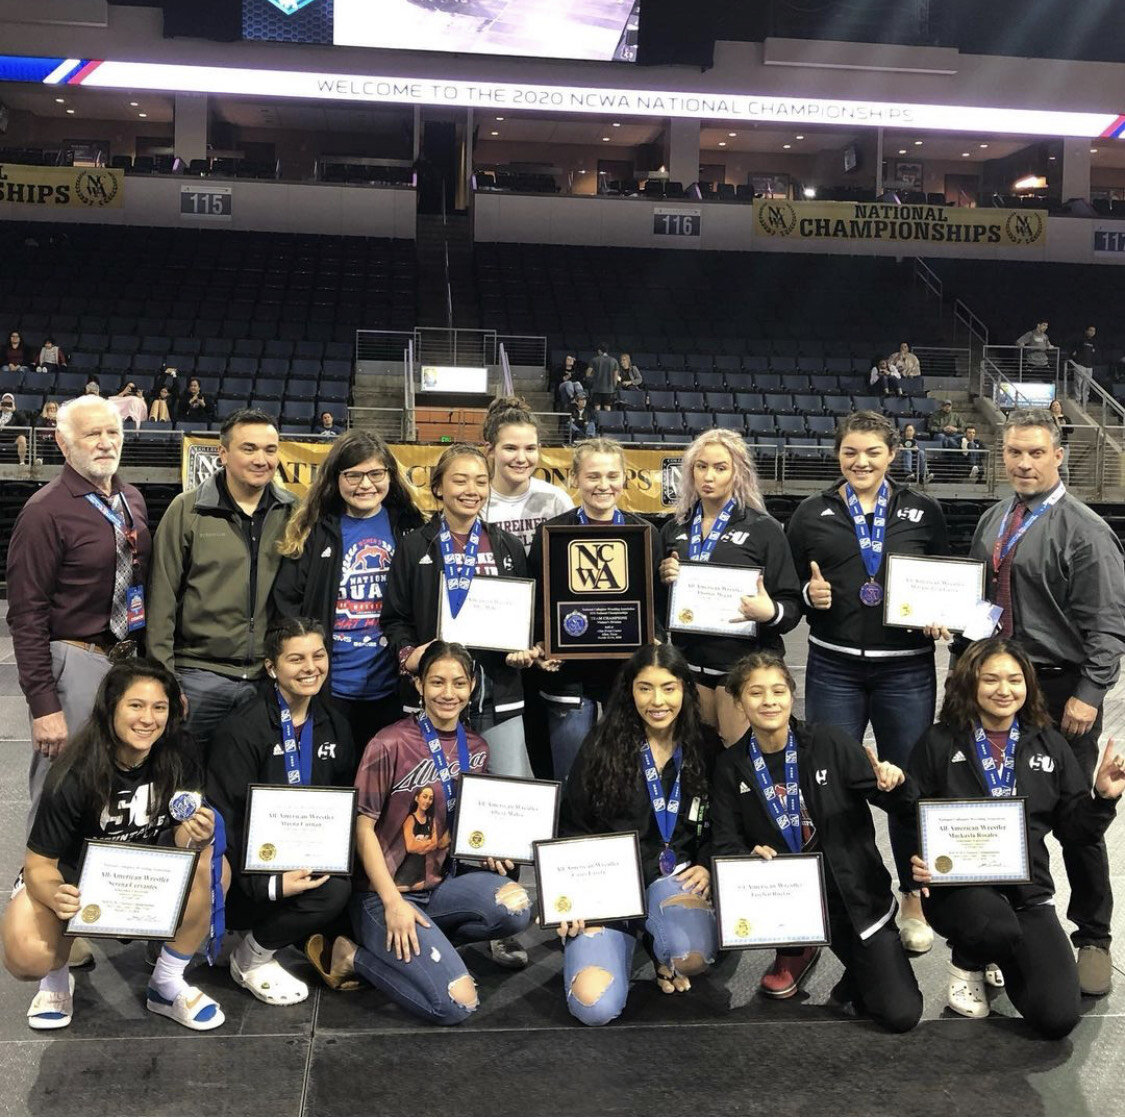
(887, 776)
(1110, 782)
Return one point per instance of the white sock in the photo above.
(56, 981)
(168, 974)
(250, 953)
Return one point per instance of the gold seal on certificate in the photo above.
(706, 598)
(130, 891)
(921, 590)
(774, 903)
(502, 817)
(975, 842)
(592, 878)
(298, 827)
(497, 615)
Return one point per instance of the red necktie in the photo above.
(1003, 568)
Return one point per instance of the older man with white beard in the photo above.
(77, 564)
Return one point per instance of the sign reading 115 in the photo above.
(678, 222)
(213, 203)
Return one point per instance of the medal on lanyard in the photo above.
(666, 813)
(999, 556)
(786, 811)
(1002, 782)
(699, 549)
(459, 576)
(445, 774)
(618, 516)
(870, 543)
(298, 755)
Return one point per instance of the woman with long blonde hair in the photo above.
(721, 518)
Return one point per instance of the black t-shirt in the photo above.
(66, 818)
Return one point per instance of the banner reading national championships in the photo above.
(913, 224)
(653, 475)
(95, 188)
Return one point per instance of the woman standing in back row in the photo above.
(861, 671)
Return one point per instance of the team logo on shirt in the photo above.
(822, 776)
(364, 574)
(913, 515)
(600, 567)
(327, 749)
(1041, 762)
(671, 473)
(425, 772)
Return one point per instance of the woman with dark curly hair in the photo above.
(995, 738)
(645, 767)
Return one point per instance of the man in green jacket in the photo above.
(213, 565)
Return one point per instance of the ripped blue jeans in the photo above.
(462, 909)
(684, 936)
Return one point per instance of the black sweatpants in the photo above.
(1028, 944)
(279, 923)
(1087, 865)
(877, 974)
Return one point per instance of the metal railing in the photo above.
(444, 345)
(391, 424)
(1016, 362)
(409, 430)
(528, 350)
(1099, 405)
(941, 361)
(972, 327)
(926, 276)
(506, 387)
(381, 345)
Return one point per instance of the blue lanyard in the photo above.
(115, 518)
(459, 576)
(700, 549)
(217, 925)
(1002, 783)
(666, 813)
(445, 774)
(618, 516)
(870, 543)
(998, 555)
(786, 811)
(298, 756)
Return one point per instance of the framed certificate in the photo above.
(294, 828)
(503, 817)
(596, 878)
(597, 591)
(975, 842)
(921, 591)
(705, 599)
(774, 903)
(129, 891)
(497, 614)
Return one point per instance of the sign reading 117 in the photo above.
(679, 222)
(213, 202)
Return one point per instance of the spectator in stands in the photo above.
(167, 378)
(1062, 421)
(50, 356)
(630, 375)
(566, 389)
(913, 453)
(15, 356)
(885, 377)
(160, 410)
(93, 387)
(72, 568)
(13, 426)
(48, 418)
(1036, 343)
(560, 372)
(1061, 585)
(946, 425)
(214, 561)
(1083, 355)
(905, 362)
(973, 449)
(196, 406)
(130, 403)
(603, 376)
(326, 425)
(582, 422)
(336, 555)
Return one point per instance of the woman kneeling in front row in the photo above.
(821, 784)
(417, 903)
(995, 738)
(113, 781)
(644, 767)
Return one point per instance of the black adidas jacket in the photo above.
(751, 539)
(944, 764)
(821, 531)
(837, 784)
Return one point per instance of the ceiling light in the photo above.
(616, 124)
(499, 118)
(60, 100)
(983, 146)
(70, 111)
(786, 147)
(917, 143)
(134, 104)
(494, 133)
(1093, 151)
(1051, 158)
(964, 155)
(809, 192)
(582, 172)
(142, 115)
(902, 151)
(605, 139)
(732, 134)
(722, 143)
(800, 137)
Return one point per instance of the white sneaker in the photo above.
(916, 935)
(966, 994)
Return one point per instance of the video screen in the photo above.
(589, 30)
(450, 378)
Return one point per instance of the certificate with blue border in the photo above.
(975, 842)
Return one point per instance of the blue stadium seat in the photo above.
(728, 421)
(638, 421)
(697, 421)
(662, 399)
(633, 398)
(297, 389)
(689, 401)
(778, 404)
(791, 425)
(838, 405)
(719, 401)
(714, 382)
(759, 424)
(749, 402)
(681, 380)
(611, 422)
(669, 422)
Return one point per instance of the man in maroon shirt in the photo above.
(79, 549)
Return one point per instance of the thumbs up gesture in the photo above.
(819, 588)
(757, 606)
(887, 776)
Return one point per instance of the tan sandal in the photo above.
(319, 953)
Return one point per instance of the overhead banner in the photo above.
(653, 475)
(97, 188)
(867, 222)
